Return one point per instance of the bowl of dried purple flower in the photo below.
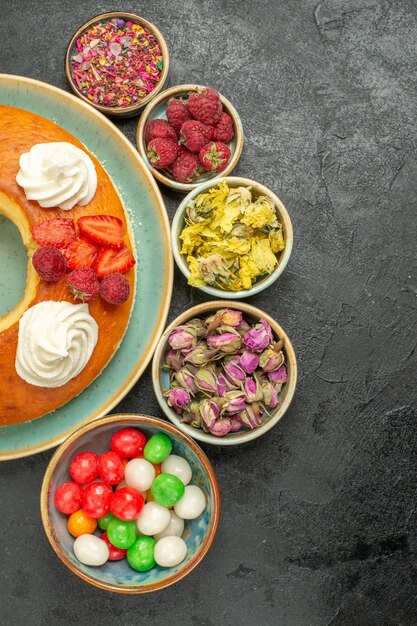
(224, 372)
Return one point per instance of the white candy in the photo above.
(91, 550)
(175, 527)
(153, 519)
(192, 503)
(177, 466)
(139, 474)
(169, 551)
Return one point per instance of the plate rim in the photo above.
(148, 350)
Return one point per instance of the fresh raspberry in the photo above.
(225, 129)
(83, 284)
(115, 288)
(205, 106)
(50, 264)
(185, 166)
(215, 156)
(194, 135)
(160, 128)
(177, 113)
(161, 152)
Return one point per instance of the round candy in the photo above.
(169, 551)
(96, 499)
(128, 443)
(167, 489)
(80, 524)
(104, 521)
(91, 550)
(126, 504)
(152, 519)
(139, 474)
(157, 449)
(121, 534)
(192, 503)
(177, 466)
(83, 467)
(110, 468)
(115, 554)
(140, 556)
(175, 527)
(68, 498)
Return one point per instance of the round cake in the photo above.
(101, 325)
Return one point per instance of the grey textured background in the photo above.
(319, 518)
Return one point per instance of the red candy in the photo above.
(128, 443)
(127, 503)
(68, 498)
(83, 468)
(110, 468)
(96, 499)
(115, 554)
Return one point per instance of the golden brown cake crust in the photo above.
(19, 401)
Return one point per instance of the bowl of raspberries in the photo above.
(189, 134)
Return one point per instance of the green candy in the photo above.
(167, 489)
(104, 521)
(121, 534)
(157, 449)
(140, 555)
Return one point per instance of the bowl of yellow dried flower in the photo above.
(231, 237)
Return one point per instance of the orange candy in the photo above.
(80, 524)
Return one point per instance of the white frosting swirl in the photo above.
(57, 174)
(56, 341)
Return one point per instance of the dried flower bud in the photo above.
(271, 360)
(233, 372)
(200, 355)
(269, 396)
(259, 337)
(221, 427)
(237, 424)
(278, 376)
(233, 402)
(209, 411)
(227, 341)
(212, 268)
(198, 327)
(182, 338)
(251, 416)
(253, 390)
(185, 379)
(248, 361)
(206, 381)
(174, 359)
(178, 398)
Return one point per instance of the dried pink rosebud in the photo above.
(209, 411)
(271, 360)
(223, 385)
(182, 338)
(221, 427)
(237, 424)
(233, 402)
(269, 396)
(248, 361)
(200, 355)
(251, 416)
(185, 379)
(174, 359)
(205, 381)
(233, 372)
(252, 389)
(178, 398)
(259, 337)
(278, 376)
(227, 342)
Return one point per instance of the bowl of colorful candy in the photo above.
(130, 504)
(189, 134)
(224, 372)
(232, 237)
(117, 62)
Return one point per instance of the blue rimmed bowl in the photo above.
(117, 575)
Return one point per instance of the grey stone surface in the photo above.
(319, 516)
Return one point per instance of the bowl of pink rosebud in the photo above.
(224, 372)
(189, 134)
